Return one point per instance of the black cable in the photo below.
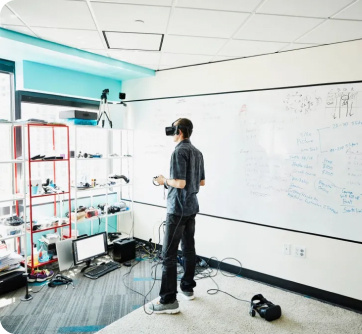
(45, 283)
(182, 214)
(144, 296)
(209, 275)
(154, 281)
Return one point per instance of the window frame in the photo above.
(8, 67)
(52, 99)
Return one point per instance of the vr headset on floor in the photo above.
(265, 308)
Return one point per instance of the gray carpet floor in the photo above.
(89, 307)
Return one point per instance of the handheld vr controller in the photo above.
(265, 308)
(155, 183)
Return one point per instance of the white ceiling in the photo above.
(163, 34)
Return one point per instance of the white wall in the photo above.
(330, 264)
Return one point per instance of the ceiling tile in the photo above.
(232, 5)
(136, 57)
(192, 45)
(221, 58)
(54, 13)
(140, 2)
(21, 29)
(118, 17)
(238, 48)
(276, 28)
(311, 8)
(170, 60)
(297, 46)
(353, 12)
(133, 41)
(8, 17)
(80, 39)
(197, 22)
(333, 31)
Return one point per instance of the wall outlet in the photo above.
(300, 251)
(286, 249)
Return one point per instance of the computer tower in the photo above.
(124, 250)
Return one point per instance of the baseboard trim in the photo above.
(305, 290)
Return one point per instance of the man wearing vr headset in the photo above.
(186, 176)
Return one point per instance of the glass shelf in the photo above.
(12, 236)
(52, 160)
(103, 216)
(46, 195)
(103, 187)
(17, 197)
(12, 161)
(48, 228)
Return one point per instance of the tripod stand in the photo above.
(103, 107)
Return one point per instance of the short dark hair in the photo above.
(185, 126)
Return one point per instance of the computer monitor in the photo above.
(89, 248)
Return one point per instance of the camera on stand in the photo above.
(105, 92)
(122, 96)
(102, 108)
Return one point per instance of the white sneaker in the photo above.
(159, 308)
(187, 295)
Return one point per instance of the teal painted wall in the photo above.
(63, 81)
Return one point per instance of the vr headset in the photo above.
(175, 129)
(265, 308)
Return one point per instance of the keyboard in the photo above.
(102, 269)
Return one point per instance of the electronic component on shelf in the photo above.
(78, 114)
(81, 213)
(117, 177)
(37, 157)
(43, 157)
(13, 221)
(89, 155)
(10, 230)
(91, 212)
(36, 227)
(83, 185)
(116, 207)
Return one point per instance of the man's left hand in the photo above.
(160, 180)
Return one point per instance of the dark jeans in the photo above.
(178, 229)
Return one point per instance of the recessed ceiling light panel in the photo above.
(133, 40)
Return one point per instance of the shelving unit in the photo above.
(49, 140)
(12, 190)
(115, 147)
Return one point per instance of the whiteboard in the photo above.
(289, 158)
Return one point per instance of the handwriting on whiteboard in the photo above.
(342, 102)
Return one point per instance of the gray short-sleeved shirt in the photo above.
(187, 163)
